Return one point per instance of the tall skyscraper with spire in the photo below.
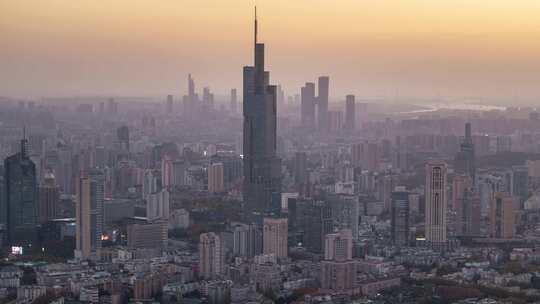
(262, 167)
(465, 158)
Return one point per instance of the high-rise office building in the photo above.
(208, 100)
(520, 183)
(436, 204)
(275, 236)
(20, 204)
(158, 205)
(89, 214)
(211, 257)
(191, 100)
(215, 178)
(262, 167)
(247, 240)
(350, 112)
(365, 155)
(502, 216)
(167, 172)
(308, 101)
(400, 216)
(466, 205)
(345, 211)
(338, 269)
(169, 104)
(322, 102)
(234, 101)
(48, 198)
(465, 158)
(338, 246)
(313, 219)
(148, 235)
(122, 135)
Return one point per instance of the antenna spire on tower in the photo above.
(256, 26)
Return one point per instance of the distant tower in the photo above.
(122, 135)
(322, 102)
(169, 104)
(465, 158)
(436, 204)
(262, 167)
(20, 205)
(234, 102)
(350, 114)
(307, 96)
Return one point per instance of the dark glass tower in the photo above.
(262, 168)
(20, 201)
(465, 158)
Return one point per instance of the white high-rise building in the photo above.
(436, 203)
(158, 205)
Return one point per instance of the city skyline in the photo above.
(446, 49)
(310, 195)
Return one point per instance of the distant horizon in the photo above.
(382, 48)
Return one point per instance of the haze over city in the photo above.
(290, 152)
(374, 49)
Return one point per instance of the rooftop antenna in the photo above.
(256, 27)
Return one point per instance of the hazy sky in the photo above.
(367, 47)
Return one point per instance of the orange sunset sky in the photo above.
(372, 48)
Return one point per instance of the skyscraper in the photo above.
(190, 100)
(465, 158)
(89, 214)
(350, 112)
(48, 198)
(307, 94)
(210, 255)
(466, 206)
(215, 178)
(262, 167)
(21, 200)
(275, 236)
(436, 203)
(158, 205)
(313, 219)
(520, 183)
(234, 103)
(169, 104)
(502, 216)
(322, 102)
(338, 246)
(400, 216)
(122, 135)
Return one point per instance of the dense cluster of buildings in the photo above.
(296, 199)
